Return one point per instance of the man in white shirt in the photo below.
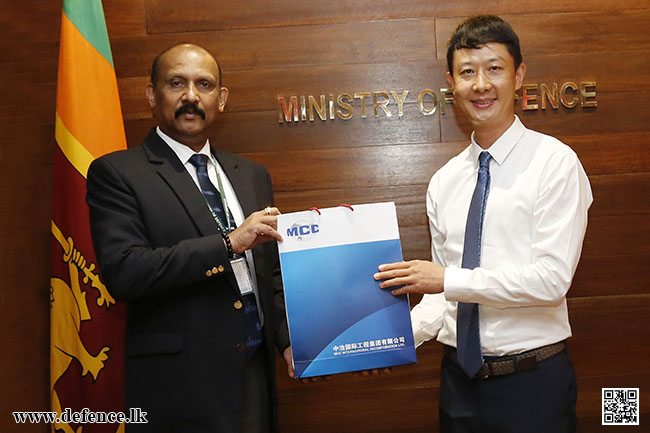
(506, 235)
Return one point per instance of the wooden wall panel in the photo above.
(345, 43)
(562, 33)
(183, 16)
(303, 48)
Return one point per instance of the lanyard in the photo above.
(226, 210)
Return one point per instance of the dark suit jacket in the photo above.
(159, 250)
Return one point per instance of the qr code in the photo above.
(620, 406)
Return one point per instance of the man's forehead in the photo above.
(183, 60)
(488, 52)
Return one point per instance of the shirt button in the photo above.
(238, 305)
(215, 270)
(208, 273)
(240, 347)
(221, 268)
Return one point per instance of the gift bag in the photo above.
(339, 318)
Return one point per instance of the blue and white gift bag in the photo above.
(339, 318)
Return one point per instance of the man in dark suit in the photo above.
(170, 221)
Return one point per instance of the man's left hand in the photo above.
(417, 276)
(288, 358)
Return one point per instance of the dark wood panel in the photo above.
(615, 114)
(169, 17)
(125, 18)
(612, 72)
(610, 335)
(258, 89)
(596, 32)
(617, 235)
(362, 167)
(608, 275)
(612, 153)
(336, 44)
(620, 194)
(360, 411)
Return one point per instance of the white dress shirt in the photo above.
(184, 153)
(535, 222)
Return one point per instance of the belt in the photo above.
(509, 364)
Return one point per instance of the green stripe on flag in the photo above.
(88, 17)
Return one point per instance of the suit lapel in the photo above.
(240, 181)
(171, 169)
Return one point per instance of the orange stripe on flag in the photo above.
(87, 98)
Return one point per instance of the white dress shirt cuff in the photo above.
(457, 284)
(426, 317)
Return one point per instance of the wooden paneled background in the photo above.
(290, 47)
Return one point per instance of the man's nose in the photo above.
(191, 94)
(482, 82)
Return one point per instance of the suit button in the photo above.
(215, 270)
(238, 305)
(221, 268)
(240, 347)
(208, 273)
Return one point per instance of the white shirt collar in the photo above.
(183, 152)
(501, 148)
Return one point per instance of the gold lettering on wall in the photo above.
(534, 96)
(432, 109)
(567, 100)
(376, 103)
(550, 95)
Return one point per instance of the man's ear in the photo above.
(223, 97)
(151, 95)
(450, 80)
(520, 73)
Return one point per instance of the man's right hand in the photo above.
(258, 228)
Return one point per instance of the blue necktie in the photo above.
(213, 197)
(468, 337)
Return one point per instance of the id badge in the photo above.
(242, 275)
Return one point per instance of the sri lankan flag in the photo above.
(86, 326)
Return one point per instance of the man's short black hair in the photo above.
(156, 62)
(479, 30)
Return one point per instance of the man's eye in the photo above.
(176, 83)
(466, 71)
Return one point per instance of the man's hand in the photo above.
(288, 358)
(258, 228)
(417, 276)
(374, 372)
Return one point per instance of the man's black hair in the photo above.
(156, 61)
(479, 30)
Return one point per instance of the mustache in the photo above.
(191, 109)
